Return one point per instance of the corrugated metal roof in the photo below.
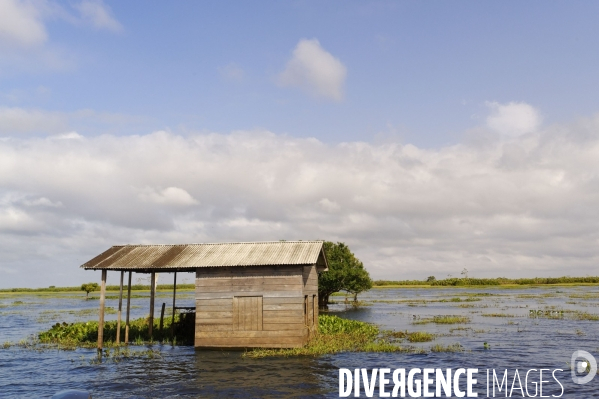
(191, 256)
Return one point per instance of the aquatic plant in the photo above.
(445, 319)
(421, 336)
(86, 333)
(457, 347)
(336, 335)
(330, 325)
(497, 315)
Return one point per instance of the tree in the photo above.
(431, 279)
(346, 273)
(89, 287)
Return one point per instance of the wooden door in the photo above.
(247, 313)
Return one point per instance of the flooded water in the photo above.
(532, 328)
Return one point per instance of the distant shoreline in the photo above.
(503, 286)
(111, 288)
(445, 283)
(500, 282)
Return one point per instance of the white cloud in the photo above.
(168, 196)
(232, 72)
(315, 71)
(21, 120)
(514, 118)
(15, 120)
(24, 42)
(328, 205)
(99, 15)
(43, 201)
(67, 136)
(21, 23)
(520, 208)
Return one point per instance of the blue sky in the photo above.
(430, 136)
(421, 70)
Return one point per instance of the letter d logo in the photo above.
(582, 366)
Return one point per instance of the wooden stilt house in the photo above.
(251, 294)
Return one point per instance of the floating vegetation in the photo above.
(337, 335)
(457, 347)
(586, 295)
(497, 315)
(447, 319)
(118, 354)
(85, 334)
(563, 314)
(48, 315)
(415, 336)
(451, 330)
(458, 299)
(421, 336)
(6, 345)
(576, 315)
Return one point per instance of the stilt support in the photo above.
(174, 302)
(118, 320)
(101, 320)
(128, 310)
(152, 295)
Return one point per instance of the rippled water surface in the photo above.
(516, 339)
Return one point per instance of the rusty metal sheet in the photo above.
(190, 256)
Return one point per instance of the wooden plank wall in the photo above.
(227, 303)
(310, 279)
(247, 313)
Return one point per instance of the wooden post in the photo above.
(162, 317)
(152, 293)
(118, 319)
(173, 316)
(101, 321)
(128, 309)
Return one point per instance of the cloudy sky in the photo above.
(429, 136)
